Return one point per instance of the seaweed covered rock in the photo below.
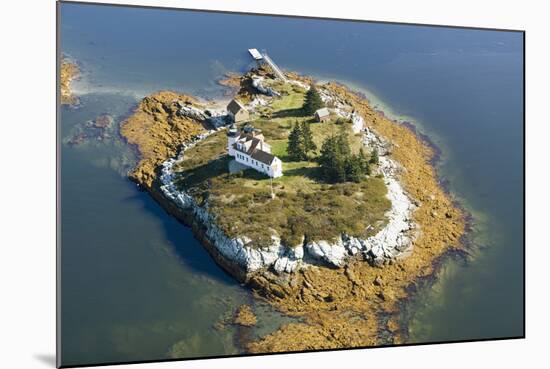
(245, 316)
(157, 128)
(69, 71)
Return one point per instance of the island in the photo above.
(69, 71)
(323, 206)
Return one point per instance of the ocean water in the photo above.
(135, 283)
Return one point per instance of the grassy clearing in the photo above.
(304, 206)
(301, 207)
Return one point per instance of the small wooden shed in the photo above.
(237, 111)
(322, 115)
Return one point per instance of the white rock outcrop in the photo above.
(216, 117)
(258, 83)
(332, 253)
(257, 101)
(191, 112)
(298, 83)
(395, 238)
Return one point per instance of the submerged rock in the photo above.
(191, 345)
(103, 121)
(98, 129)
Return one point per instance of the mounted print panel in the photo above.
(235, 184)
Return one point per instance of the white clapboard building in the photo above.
(249, 148)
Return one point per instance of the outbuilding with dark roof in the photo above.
(237, 111)
(322, 115)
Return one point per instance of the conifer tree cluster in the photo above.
(338, 164)
(313, 101)
(300, 142)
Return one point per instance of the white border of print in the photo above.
(27, 151)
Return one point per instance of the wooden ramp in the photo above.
(259, 57)
(278, 72)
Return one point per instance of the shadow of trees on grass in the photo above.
(202, 173)
(289, 113)
(313, 173)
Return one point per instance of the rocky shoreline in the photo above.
(393, 241)
(338, 294)
(157, 129)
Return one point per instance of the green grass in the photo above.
(211, 148)
(278, 148)
(304, 206)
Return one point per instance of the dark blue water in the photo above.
(135, 282)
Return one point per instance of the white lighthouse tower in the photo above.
(232, 134)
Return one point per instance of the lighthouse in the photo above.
(232, 134)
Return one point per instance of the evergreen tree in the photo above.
(337, 162)
(328, 151)
(313, 101)
(354, 170)
(364, 162)
(327, 158)
(295, 146)
(374, 157)
(339, 169)
(343, 142)
(307, 137)
(333, 163)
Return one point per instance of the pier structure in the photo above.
(264, 58)
(255, 54)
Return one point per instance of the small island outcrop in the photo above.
(69, 71)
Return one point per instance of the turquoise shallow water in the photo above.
(135, 282)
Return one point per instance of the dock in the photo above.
(255, 54)
(263, 57)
